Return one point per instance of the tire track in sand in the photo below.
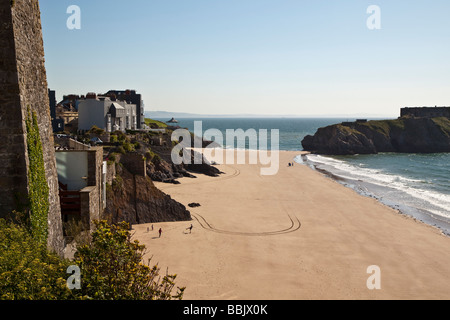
(295, 225)
(295, 222)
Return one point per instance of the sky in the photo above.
(267, 57)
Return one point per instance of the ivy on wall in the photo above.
(37, 183)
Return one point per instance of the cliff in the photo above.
(136, 200)
(405, 135)
(131, 193)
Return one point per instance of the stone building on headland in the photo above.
(425, 112)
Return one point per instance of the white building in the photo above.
(106, 114)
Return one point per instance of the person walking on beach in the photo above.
(160, 231)
(190, 228)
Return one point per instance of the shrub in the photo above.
(96, 130)
(110, 264)
(28, 271)
(128, 147)
(112, 269)
(120, 135)
(112, 157)
(113, 139)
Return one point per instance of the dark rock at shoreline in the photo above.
(406, 135)
(203, 166)
(194, 205)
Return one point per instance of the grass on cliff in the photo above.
(444, 124)
(155, 123)
(384, 126)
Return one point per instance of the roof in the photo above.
(117, 106)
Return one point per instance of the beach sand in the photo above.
(292, 236)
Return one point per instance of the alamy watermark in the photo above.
(74, 281)
(374, 281)
(74, 20)
(374, 20)
(258, 151)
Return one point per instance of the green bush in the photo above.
(112, 157)
(128, 147)
(113, 139)
(96, 130)
(112, 268)
(110, 264)
(120, 135)
(27, 270)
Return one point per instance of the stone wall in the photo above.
(426, 112)
(13, 162)
(95, 177)
(90, 206)
(23, 85)
(135, 163)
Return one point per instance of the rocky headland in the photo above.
(404, 135)
(135, 161)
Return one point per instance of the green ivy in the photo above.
(37, 183)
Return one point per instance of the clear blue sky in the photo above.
(303, 57)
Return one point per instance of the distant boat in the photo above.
(172, 121)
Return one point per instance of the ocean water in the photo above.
(415, 184)
(291, 130)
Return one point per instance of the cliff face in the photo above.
(136, 200)
(406, 135)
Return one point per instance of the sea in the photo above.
(417, 185)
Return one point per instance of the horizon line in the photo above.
(355, 115)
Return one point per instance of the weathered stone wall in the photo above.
(135, 164)
(95, 176)
(23, 85)
(13, 165)
(424, 112)
(90, 206)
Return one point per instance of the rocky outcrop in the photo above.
(168, 172)
(136, 200)
(164, 170)
(406, 135)
(203, 166)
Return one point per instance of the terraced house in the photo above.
(106, 113)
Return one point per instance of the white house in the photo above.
(106, 114)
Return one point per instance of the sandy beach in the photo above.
(294, 235)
